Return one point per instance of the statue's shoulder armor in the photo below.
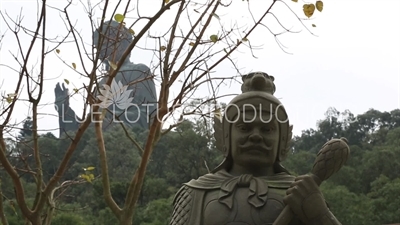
(182, 205)
(142, 67)
(136, 70)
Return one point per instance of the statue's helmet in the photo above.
(112, 40)
(257, 91)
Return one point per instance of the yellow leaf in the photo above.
(131, 31)
(320, 5)
(308, 9)
(66, 81)
(167, 1)
(216, 16)
(58, 51)
(294, 0)
(162, 48)
(76, 90)
(91, 176)
(113, 65)
(74, 65)
(9, 100)
(90, 168)
(119, 18)
(10, 97)
(313, 25)
(218, 114)
(191, 43)
(245, 39)
(214, 38)
(86, 177)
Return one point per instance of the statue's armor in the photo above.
(216, 213)
(194, 206)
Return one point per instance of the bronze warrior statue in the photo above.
(250, 186)
(116, 39)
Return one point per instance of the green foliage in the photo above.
(300, 162)
(365, 190)
(380, 161)
(68, 219)
(155, 188)
(26, 130)
(385, 204)
(184, 154)
(12, 212)
(106, 217)
(392, 138)
(349, 177)
(348, 207)
(122, 156)
(157, 212)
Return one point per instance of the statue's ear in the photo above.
(272, 78)
(286, 146)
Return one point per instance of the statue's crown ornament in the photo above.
(258, 81)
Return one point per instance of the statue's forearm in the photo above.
(326, 219)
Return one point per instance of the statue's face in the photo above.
(116, 41)
(255, 139)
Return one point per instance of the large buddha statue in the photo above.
(142, 93)
(250, 186)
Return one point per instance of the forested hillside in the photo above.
(364, 192)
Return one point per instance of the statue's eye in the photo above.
(267, 129)
(243, 127)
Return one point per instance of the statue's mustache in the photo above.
(258, 147)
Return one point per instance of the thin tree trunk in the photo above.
(2, 215)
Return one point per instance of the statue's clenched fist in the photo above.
(305, 199)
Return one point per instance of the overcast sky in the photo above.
(351, 63)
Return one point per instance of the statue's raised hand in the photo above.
(62, 97)
(68, 121)
(305, 198)
(307, 202)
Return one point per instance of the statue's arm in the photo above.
(145, 95)
(67, 118)
(307, 201)
(143, 71)
(61, 97)
(325, 219)
(182, 206)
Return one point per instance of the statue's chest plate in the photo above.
(241, 213)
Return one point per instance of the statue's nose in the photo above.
(255, 136)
